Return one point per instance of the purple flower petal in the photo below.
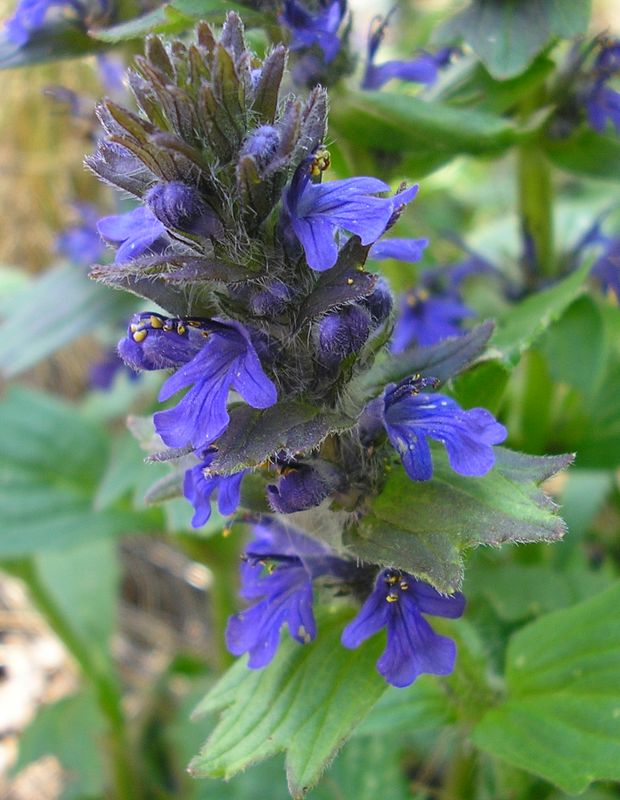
(397, 602)
(227, 361)
(468, 436)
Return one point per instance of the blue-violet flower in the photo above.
(413, 648)
(137, 232)
(411, 418)
(280, 565)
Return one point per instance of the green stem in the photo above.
(221, 555)
(460, 780)
(107, 691)
(535, 207)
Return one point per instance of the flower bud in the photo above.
(379, 303)
(262, 144)
(181, 207)
(343, 332)
(270, 300)
(302, 486)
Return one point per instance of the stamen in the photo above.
(140, 335)
(392, 597)
(320, 163)
(156, 322)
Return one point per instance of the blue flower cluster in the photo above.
(602, 103)
(271, 318)
(278, 572)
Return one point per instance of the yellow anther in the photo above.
(320, 162)
(134, 327)
(181, 329)
(404, 585)
(423, 294)
(226, 531)
(168, 325)
(350, 281)
(392, 597)
(193, 323)
(412, 300)
(391, 579)
(156, 322)
(140, 336)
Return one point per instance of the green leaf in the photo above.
(564, 345)
(73, 578)
(586, 153)
(561, 718)
(522, 591)
(483, 384)
(508, 35)
(174, 17)
(51, 461)
(253, 434)
(404, 125)
(441, 361)
(71, 730)
(164, 19)
(306, 703)
(524, 323)
(503, 506)
(364, 769)
(583, 497)
(216, 10)
(57, 308)
(423, 705)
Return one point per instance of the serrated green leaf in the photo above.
(508, 35)
(56, 309)
(503, 506)
(306, 703)
(561, 718)
(51, 461)
(71, 730)
(524, 323)
(586, 153)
